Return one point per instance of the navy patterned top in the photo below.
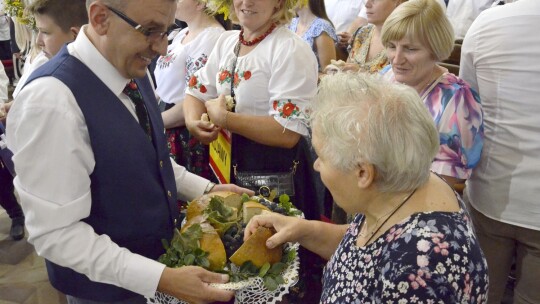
(430, 257)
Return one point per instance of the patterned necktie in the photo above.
(132, 91)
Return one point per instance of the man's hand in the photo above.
(191, 284)
(232, 188)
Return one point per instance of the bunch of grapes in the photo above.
(273, 206)
(233, 238)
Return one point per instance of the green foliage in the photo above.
(285, 203)
(184, 249)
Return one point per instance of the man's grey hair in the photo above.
(360, 118)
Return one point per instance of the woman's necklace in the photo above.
(258, 39)
(363, 232)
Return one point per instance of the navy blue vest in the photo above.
(132, 185)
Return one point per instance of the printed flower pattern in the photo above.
(194, 83)
(429, 258)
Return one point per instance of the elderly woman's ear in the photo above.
(365, 174)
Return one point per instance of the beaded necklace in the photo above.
(258, 39)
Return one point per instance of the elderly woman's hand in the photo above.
(288, 228)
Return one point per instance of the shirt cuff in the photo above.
(143, 275)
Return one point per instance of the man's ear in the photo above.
(99, 17)
(365, 174)
(74, 31)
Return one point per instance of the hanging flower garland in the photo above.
(16, 9)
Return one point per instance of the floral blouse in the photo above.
(182, 60)
(317, 27)
(457, 112)
(430, 257)
(360, 48)
(278, 78)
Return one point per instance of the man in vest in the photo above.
(93, 173)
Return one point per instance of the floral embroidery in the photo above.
(195, 84)
(193, 65)
(287, 109)
(225, 76)
(167, 60)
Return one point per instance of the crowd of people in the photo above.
(101, 149)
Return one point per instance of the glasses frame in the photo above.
(150, 35)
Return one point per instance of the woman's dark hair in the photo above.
(227, 24)
(318, 9)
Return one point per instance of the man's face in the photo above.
(50, 36)
(128, 50)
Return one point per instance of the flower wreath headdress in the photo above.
(16, 9)
(224, 6)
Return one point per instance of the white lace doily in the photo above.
(252, 290)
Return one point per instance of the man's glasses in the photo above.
(152, 36)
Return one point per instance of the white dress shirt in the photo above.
(4, 83)
(343, 12)
(54, 159)
(29, 67)
(463, 12)
(500, 58)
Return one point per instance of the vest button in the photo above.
(161, 163)
(169, 193)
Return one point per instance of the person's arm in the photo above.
(267, 131)
(52, 126)
(174, 117)
(318, 237)
(326, 49)
(461, 133)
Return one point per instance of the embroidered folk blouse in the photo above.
(277, 78)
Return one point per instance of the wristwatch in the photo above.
(209, 187)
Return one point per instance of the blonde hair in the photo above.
(424, 20)
(364, 119)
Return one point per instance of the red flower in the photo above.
(132, 85)
(288, 109)
(202, 89)
(192, 81)
(247, 75)
(224, 75)
(236, 79)
(275, 104)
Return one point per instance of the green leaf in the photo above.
(284, 198)
(218, 210)
(189, 259)
(277, 268)
(264, 269)
(290, 256)
(203, 262)
(244, 198)
(270, 283)
(165, 244)
(279, 279)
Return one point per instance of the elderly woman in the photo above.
(187, 53)
(412, 240)
(417, 35)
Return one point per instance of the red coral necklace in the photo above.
(258, 39)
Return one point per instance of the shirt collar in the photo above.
(84, 50)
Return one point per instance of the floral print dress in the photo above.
(430, 257)
(457, 113)
(359, 51)
(317, 27)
